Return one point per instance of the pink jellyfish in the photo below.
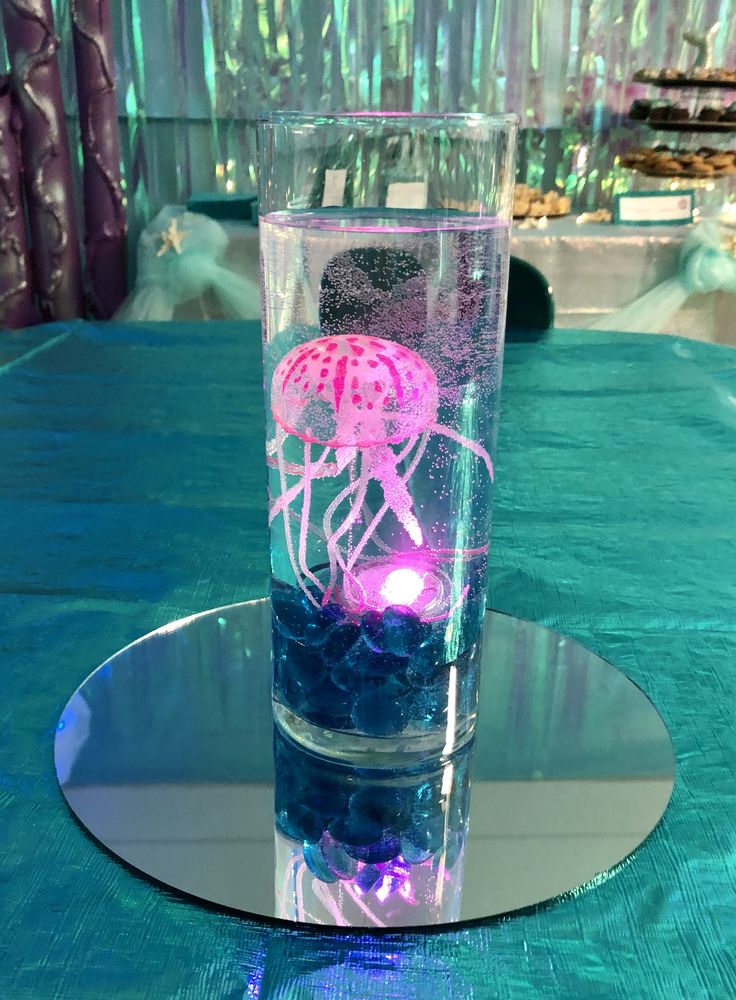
(357, 395)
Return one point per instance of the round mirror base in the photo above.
(166, 755)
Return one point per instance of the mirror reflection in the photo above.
(355, 847)
(166, 755)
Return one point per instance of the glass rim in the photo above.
(436, 119)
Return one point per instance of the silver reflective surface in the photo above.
(165, 754)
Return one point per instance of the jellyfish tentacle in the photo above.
(466, 443)
(382, 461)
(283, 501)
(351, 517)
(384, 506)
(280, 435)
(377, 541)
(304, 523)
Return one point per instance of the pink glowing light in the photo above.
(408, 580)
(402, 586)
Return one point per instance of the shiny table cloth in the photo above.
(133, 493)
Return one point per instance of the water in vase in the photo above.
(383, 336)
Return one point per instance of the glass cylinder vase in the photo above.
(384, 261)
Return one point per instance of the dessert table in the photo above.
(133, 492)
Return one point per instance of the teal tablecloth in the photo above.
(132, 492)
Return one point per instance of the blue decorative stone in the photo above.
(403, 631)
(385, 806)
(290, 614)
(306, 665)
(371, 626)
(367, 877)
(332, 613)
(413, 854)
(355, 832)
(340, 640)
(329, 706)
(383, 849)
(317, 864)
(379, 716)
(300, 823)
(338, 860)
(345, 676)
(374, 667)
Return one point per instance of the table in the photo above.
(132, 491)
(576, 260)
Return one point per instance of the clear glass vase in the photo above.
(384, 260)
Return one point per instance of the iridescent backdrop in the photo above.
(194, 73)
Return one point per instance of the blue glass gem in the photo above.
(371, 625)
(384, 806)
(367, 877)
(332, 613)
(289, 612)
(329, 705)
(413, 854)
(403, 631)
(337, 858)
(339, 642)
(379, 716)
(383, 849)
(355, 832)
(374, 667)
(306, 665)
(317, 864)
(301, 823)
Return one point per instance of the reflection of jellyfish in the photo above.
(357, 396)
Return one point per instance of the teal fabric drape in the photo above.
(132, 492)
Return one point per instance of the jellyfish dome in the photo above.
(354, 392)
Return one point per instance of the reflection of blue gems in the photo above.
(385, 848)
(355, 832)
(338, 860)
(413, 854)
(317, 864)
(367, 877)
(301, 823)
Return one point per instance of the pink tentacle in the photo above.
(304, 525)
(350, 518)
(283, 501)
(384, 506)
(466, 443)
(280, 435)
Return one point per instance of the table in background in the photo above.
(133, 492)
(593, 269)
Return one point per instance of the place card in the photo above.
(407, 194)
(654, 208)
(334, 192)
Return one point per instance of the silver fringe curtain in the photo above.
(193, 73)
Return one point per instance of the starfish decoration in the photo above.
(172, 238)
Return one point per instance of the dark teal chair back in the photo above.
(531, 307)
